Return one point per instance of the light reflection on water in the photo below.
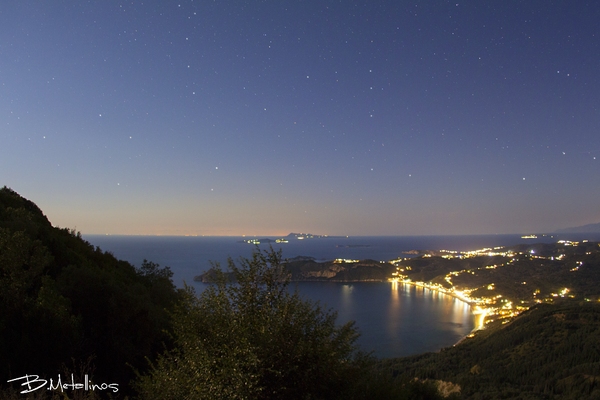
(395, 319)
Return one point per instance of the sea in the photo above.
(394, 319)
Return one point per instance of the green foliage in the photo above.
(62, 299)
(34, 316)
(22, 262)
(252, 338)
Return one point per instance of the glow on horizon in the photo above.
(202, 118)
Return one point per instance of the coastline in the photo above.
(470, 303)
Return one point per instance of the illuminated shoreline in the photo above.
(475, 308)
(459, 296)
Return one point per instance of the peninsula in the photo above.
(306, 269)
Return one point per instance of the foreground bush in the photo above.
(253, 338)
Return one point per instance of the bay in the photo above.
(394, 320)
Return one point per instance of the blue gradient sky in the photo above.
(266, 117)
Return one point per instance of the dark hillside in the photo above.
(62, 299)
(550, 351)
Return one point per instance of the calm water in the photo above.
(394, 319)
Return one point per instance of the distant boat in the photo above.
(529, 237)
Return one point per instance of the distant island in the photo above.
(286, 239)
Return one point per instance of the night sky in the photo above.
(329, 117)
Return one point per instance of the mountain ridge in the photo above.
(589, 228)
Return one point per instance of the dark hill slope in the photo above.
(550, 351)
(62, 299)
